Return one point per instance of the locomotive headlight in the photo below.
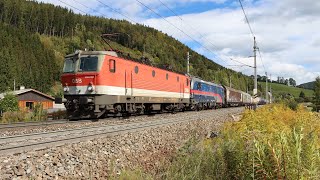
(90, 88)
(66, 89)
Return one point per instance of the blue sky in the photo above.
(193, 7)
(287, 31)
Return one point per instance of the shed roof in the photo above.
(22, 91)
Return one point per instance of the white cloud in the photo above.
(287, 31)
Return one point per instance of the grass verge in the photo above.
(274, 142)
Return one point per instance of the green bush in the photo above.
(273, 142)
(291, 103)
(38, 113)
(16, 116)
(9, 103)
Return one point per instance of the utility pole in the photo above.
(270, 90)
(267, 87)
(255, 89)
(14, 84)
(188, 63)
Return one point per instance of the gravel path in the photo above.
(107, 156)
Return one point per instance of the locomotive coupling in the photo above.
(60, 100)
(85, 100)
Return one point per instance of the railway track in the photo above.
(36, 141)
(56, 122)
(43, 123)
(33, 124)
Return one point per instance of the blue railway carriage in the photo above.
(206, 95)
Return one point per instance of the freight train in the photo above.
(101, 83)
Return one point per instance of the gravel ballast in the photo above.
(101, 158)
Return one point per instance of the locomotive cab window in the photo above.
(187, 82)
(112, 65)
(89, 63)
(153, 73)
(69, 65)
(199, 86)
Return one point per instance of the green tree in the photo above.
(292, 82)
(9, 103)
(317, 93)
(301, 98)
(302, 95)
(36, 36)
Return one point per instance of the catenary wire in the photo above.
(181, 30)
(262, 61)
(115, 10)
(72, 6)
(89, 7)
(253, 35)
(200, 35)
(138, 23)
(247, 20)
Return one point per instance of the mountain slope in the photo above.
(308, 85)
(280, 89)
(61, 32)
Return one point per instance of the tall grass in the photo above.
(273, 142)
(25, 115)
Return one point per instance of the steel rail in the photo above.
(32, 124)
(16, 146)
(63, 121)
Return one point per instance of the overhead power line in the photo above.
(200, 35)
(247, 20)
(72, 6)
(117, 11)
(251, 31)
(122, 14)
(88, 7)
(183, 31)
(261, 60)
(242, 64)
(170, 10)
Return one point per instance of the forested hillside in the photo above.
(24, 58)
(36, 36)
(280, 90)
(308, 85)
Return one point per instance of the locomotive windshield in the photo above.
(69, 65)
(88, 63)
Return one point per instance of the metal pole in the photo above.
(255, 90)
(270, 90)
(188, 62)
(267, 87)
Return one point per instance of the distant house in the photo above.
(28, 98)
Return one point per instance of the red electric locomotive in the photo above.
(98, 83)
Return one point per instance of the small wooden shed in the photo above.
(28, 98)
